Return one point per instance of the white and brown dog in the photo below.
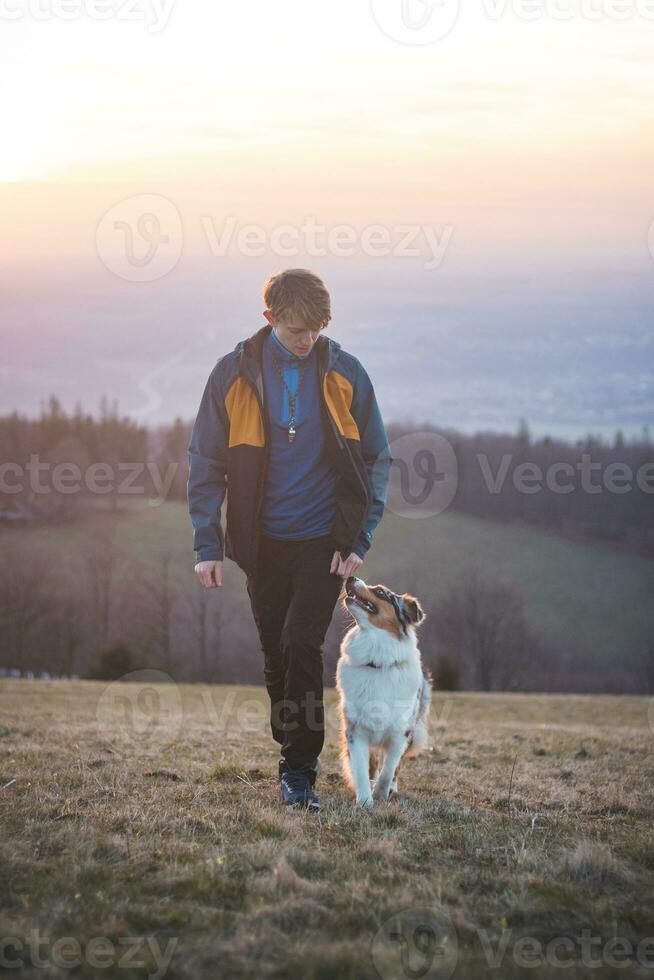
(385, 693)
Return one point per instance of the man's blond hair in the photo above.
(298, 295)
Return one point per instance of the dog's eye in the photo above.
(379, 592)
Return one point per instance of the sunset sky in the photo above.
(525, 145)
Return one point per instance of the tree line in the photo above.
(597, 488)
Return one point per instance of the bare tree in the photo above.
(63, 631)
(482, 626)
(99, 561)
(158, 598)
(23, 585)
(61, 507)
(205, 629)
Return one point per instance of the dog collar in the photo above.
(396, 663)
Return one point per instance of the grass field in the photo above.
(149, 817)
(588, 599)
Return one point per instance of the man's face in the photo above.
(295, 335)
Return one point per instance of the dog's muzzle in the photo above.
(352, 594)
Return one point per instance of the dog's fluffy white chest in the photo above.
(385, 699)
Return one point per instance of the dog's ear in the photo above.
(413, 609)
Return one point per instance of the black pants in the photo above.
(293, 597)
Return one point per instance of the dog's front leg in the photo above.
(392, 760)
(359, 750)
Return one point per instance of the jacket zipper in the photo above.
(343, 443)
(264, 470)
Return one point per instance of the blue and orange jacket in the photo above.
(228, 452)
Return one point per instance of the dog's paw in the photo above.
(381, 792)
(365, 801)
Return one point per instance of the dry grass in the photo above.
(120, 821)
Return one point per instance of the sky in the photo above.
(474, 182)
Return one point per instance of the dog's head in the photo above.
(378, 607)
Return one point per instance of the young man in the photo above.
(290, 429)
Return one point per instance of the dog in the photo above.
(384, 691)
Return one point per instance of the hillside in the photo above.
(590, 600)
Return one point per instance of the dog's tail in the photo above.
(421, 730)
(343, 748)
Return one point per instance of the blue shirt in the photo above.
(300, 492)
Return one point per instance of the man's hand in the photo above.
(346, 567)
(210, 573)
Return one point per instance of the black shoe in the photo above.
(297, 790)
